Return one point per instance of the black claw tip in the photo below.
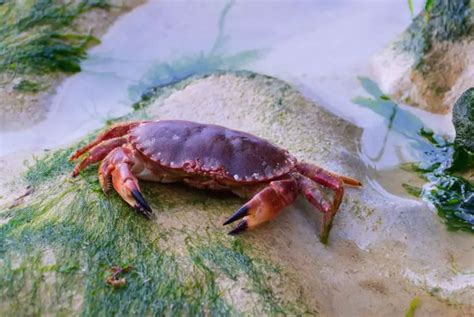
(143, 212)
(242, 212)
(242, 226)
(141, 206)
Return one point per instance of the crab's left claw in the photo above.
(116, 167)
(265, 205)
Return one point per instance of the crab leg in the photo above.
(117, 130)
(117, 166)
(98, 153)
(265, 205)
(313, 194)
(332, 181)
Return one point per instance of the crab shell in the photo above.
(211, 150)
(213, 157)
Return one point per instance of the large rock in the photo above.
(463, 120)
(57, 245)
(432, 62)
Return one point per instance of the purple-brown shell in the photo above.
(211, 149)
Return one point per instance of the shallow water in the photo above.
(320, 48)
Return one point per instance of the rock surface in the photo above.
(432, 63)
(463, 120)
(383, 251)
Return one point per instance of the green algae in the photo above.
(439, 159)
(36, 38)
(48, 166)
(28, 86)
(453, 197)
(57, 247)
(89, 233)
(415, 302)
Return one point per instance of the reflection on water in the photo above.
(320, 47)
(167, 73)
(419, 142)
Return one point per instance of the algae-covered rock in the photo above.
(463, 120)
(59, 245)
(432, 62)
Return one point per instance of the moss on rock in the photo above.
(463, 120)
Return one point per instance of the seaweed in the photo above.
(439, 159)
(28, 86)
(36, 38)
(415, 302)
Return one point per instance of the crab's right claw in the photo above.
(264, 206)
(241, 213)
(141, 205)
(117, 167)
(127, 187)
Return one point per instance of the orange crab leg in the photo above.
(313, 194)
(98, 153)
(265, 205)
(332, 181)
(116, 130)
(117, 166)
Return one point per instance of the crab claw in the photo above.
(141, 205)
(264, 206)
(242, 212)
(127, 187)
(242, 226)
(117, 166)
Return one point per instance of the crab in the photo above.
(211, 157)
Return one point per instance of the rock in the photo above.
(463, 120)
(380, 253)
(431, 63)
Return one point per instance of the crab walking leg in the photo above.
(331, 181)
(309, 169)
(117, 166)
(265, 205)
(117, 130)
(313, 194)
(349, 181)
(98, 153)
